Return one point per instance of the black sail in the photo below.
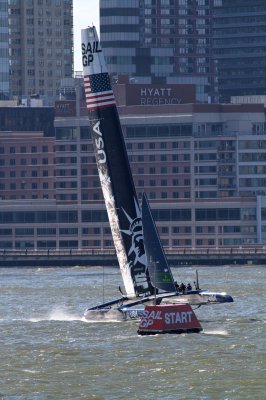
(114, 171)
(160, 273)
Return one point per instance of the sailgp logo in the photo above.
(88, 51)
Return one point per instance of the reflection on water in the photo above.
(48, 351)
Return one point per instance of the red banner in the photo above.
(169, 319)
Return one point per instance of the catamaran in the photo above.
(146, 275)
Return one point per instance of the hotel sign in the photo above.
(154, 95)
(65, 108)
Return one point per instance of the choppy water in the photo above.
(49, 352)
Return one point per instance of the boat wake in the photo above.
(215, 332)
(61, 314)
(102, 321)
(57, 314)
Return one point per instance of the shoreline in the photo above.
(178, 258)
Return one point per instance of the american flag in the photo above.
(98, 91)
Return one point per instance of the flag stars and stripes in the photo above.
(98, 91)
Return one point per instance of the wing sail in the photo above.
(113, 167)
(160, 273)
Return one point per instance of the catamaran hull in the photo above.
(200, 298)
(113, 315)
(131, 311)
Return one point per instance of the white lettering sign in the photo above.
(99, 144)
(178, 318)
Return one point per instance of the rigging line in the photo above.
(197, 307)
(103, 284)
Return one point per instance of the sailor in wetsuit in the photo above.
(182, 288)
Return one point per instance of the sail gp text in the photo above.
(169, 318)
(88, 51)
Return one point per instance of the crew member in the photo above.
(182, 287)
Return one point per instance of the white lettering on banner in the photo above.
(176, 317)
(153, 314)
(148, 318)
(146, 322)
(99, 143)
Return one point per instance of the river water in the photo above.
(49, 352)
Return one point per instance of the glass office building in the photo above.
(160, 41)
(239, 45)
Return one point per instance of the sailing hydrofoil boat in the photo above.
(146, 274)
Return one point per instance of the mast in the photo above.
(119, 192)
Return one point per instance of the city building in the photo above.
(4, 59)
(26, 166)
(218, 45)
(239, 40)
(36, 39)
(203, 167)
(160, 41)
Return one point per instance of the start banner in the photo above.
(169, 318)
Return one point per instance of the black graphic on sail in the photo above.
(160, 273)
(114, 170)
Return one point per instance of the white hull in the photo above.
(113, 315)
(133, 309)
